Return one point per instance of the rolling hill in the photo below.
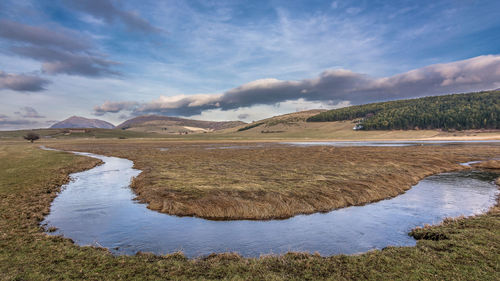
(281, 122)
(172, 125)
(450, 112)
(82, 122)
(338, 124)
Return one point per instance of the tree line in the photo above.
(457, 111)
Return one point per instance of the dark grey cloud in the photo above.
(41, 36)
(22, 82)
(114, 107)
(109, 11)
(60, 61)
(60, 50)
(243, 116)
(335, 86)
(28, 112)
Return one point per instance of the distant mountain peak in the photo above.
(177, 123)
(82, 122)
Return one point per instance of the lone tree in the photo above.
(31, 137)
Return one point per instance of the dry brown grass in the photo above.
(30, 178)
(275, 181)
(489, 165)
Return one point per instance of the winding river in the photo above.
(97, 208)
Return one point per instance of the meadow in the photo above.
(459, 249)
(287, 127)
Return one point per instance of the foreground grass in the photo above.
(462, 249)
(268, 181)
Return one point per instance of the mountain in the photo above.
(82, 122)
(167, 124)
(479, 110)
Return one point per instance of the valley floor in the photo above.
(270, 180)
(461, 249)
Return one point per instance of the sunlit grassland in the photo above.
(272, 130)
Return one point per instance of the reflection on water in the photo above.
(97, 208)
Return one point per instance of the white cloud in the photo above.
(331, 87)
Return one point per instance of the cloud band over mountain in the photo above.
(332, 86)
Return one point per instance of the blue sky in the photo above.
(228, 60)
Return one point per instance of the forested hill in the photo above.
(458, 111)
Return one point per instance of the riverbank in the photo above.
(29, 179)
(272, 181)
(488, 165)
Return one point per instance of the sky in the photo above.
(235, 60)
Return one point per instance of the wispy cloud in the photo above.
(22, 82)
(332, 86)
(7, 123)
(59, 61)
(28, 112)
(110, 11)
(61, 51)
(40, 36)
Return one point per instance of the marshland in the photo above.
(33, 177)
(274, 181)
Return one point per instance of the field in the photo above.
(30, 178)
(342, 130)
(269, 180)
(291, 126)
(65, 134)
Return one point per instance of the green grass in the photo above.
(469, 249)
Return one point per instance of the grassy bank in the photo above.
(466, 249)
(268, 181)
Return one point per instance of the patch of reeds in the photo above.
(276, 181)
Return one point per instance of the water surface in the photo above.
(388, 143)
(97, 208)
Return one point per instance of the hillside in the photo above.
(82, 122)
(169, 125)
(459, 111)
(282, 121)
